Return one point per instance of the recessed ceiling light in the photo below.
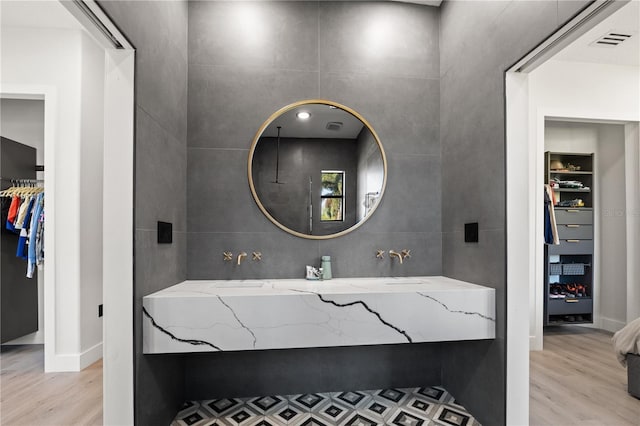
(303, 115)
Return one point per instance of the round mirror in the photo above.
(317, 169)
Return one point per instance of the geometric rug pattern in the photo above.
(427, 406)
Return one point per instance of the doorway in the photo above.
(70, 56)
(567, 85)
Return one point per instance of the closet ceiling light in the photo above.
(303, 115)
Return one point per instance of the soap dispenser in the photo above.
(326, 267)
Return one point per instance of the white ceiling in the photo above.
(626, 20)
(36, 14)
(315, 126)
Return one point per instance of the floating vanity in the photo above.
(240, 315)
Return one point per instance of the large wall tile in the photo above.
(404, 112)
(278, 372)
(283, 255)
(459, 36)
(161, 175)
(227, 105)
(158, 266)
(355, 254)
(411, 202)
(567, 9)
(219, 199)
(379, 38)
(272, 35)
(471, 371)
(158, 31)
(158, 380)
(479, 41)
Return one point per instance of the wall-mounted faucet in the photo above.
(401, 256)
(393, 253)
(228, 256)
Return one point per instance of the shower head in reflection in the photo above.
(278, 158)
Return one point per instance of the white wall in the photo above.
(91, 172)
(610, 160)
(584, 91)
(56, 58)
(22, 120)
(632, 170)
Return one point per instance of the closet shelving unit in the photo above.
(568, 287)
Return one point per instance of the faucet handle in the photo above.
(406, 253)
(257, 255)
(228, 256)
(380, 254)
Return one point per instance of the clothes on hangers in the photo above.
(25, 216)
(35, 247)
(550, 227)
(22, 212)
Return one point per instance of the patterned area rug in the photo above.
(428, 406)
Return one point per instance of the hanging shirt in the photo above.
(22, 213)
(21, 250)
(32, 257)
(550, 227)
(13, 212)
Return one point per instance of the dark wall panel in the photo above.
(286, 372)
(479, 41)
(232, 91)
(238, 76)
(18, 294)
(158, 31)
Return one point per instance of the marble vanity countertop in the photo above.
(234, 315)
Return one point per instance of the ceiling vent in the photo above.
(334, 125)
(612, 39)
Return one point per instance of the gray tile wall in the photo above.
(478, 43)
(238, 76)
(158, 31)
(297, 371)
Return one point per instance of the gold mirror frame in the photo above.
(259, 135)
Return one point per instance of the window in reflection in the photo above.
(332, 196)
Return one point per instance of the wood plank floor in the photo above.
(577, 380)
(29, 397)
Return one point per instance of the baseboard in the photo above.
(535, 344)
(36, 338)
(611, 325)
(90, 356)
(72, 362)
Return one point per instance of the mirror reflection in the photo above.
(317, 169)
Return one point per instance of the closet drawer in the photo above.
(575, 232)
(572, 247)
(574, 217)
(569, 306)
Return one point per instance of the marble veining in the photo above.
(201, 316)
(456, 311)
